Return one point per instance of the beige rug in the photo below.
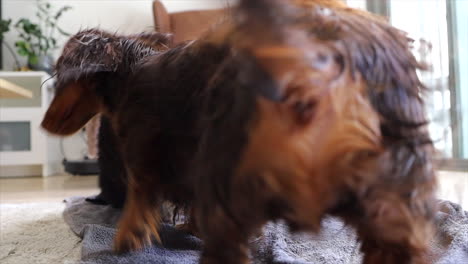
(36, 233)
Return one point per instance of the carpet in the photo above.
(36, 233)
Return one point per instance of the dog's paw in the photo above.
(188, 228)
(134, 238)
(136, 231)
(98, 200)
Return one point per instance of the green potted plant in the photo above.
(38, 40)
(4, 28)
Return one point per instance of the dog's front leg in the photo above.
(224, 240)
(393, 231)
(140, 221)
(190, 225)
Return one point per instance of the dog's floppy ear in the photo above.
(271, 32)
(86, 58)
(73, 106)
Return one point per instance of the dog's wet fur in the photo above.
(289, 110)
(112, 176)
(87, 53)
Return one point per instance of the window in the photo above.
(440, 32)
(457, 11)
(425, 21)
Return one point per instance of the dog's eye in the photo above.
(305, 110)
(321, 61)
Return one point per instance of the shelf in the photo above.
(10, 90)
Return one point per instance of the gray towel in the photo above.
(336, 243)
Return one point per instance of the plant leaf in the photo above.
(61, 11)
(23, 48)
(4, 27)
(40, 37)
(61, 31)
(33, 59)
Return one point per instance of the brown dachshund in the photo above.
(318, 112)
(291, 110)
(84, 54)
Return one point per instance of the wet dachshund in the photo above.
(289, 110)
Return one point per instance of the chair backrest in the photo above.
(184, 25)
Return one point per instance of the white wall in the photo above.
(125, 16)
(356, 3)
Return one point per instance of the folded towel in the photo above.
(336, 243)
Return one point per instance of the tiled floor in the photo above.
(453, 186)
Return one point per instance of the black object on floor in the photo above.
(81, 167)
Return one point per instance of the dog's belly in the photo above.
(176, 154)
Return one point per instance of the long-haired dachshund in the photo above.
(291, 110)
(333, 125)
(86, 53)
